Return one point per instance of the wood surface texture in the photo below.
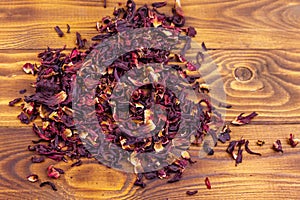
(256, 45)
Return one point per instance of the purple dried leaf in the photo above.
(23, 118)
(239, 157)
(176, 177)
(77, 163)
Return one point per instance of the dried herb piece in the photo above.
(53, 172)
(277, 146)
(249, 150)
(58, 31)
(79, 41)
(22, 91)
(29, 68)
(239, 157)
(77, 163)
(139, 181)
(159, 4)
(190, 193)
(33, 178)
(241, 120)
(36, 159)
(293, 141)
(207, 183)
(13, 102)
(104, 5)
(23, 118)
(68, 28)
(175, 178)
(49, 183)
(224, 135)
(260, 142)
(222, 105)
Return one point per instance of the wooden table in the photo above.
(259, 38)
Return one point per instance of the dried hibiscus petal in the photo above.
(277, 146)
(159, 4)
(239, 157)
(207, 183)
(249, 150)
(224, 135)
(293, 141)
(53, 172)
(36, 159)
(13, 102)
(241, 120)
(77, 163)
(176, 177)
(190, 193)
(28, 68)
(52, 185)
(58, 31)
(23, 118)
(33, 178)
(139, 181)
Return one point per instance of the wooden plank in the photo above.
(273, 175)
(222, 24)
(266, 81)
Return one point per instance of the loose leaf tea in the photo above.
(13, 102)
(52, 101)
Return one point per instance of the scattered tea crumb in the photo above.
(58, 31)
(207, 183)
(49, 183)
(277, 146)
(33, 178)
(190, 193)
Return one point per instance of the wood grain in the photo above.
(256, 45)
(266, 24)
(273, 88)
(273, 175)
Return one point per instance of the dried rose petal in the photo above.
(49, 183)
(33, 178)
(207, 183)
(293, 141)
(240, 120)
(190, 193)
(277, 146)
